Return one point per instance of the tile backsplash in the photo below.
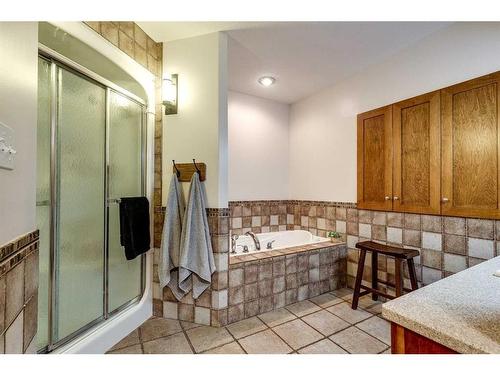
(447, 244)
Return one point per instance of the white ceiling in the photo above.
(168, 31)
(305, 57)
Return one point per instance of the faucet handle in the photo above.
(270, 244)
(245, 248)
(235, 237)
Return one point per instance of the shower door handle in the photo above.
(114, 200)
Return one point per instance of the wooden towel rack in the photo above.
(185, 171)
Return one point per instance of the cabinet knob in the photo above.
(396, 198)
(387, 198)
(444, 200)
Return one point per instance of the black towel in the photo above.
(134, 226)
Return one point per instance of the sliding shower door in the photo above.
(124, 180)
(90, 154)
(81, 133)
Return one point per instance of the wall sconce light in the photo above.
(169, 94)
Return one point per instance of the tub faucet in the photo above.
(234, 237)
(255, 239)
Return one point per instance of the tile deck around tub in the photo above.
(320, 325)
(236, 259)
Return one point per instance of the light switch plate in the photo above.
(7, 148)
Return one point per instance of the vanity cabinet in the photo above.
(375, 159)
(437, 153)
(405, 341)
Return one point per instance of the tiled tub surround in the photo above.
(447, 244)
(265, 281)
(211, 307)
(19, 295)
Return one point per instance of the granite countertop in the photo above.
(461, 312)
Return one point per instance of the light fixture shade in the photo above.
(169, 94)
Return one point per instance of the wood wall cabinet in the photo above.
(416, 135)
(437, 153)
(375, 159)
(470, 125)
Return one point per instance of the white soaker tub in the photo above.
(278, 240)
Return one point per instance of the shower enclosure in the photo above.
(91, 151)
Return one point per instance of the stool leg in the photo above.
(359, 278)
(413, 274)
(399, 277)
(374, 274)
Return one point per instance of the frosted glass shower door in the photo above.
(124, 180)
(80, 185)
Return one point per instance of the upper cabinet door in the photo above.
(375, 159)
(470, 126)
(417, 154)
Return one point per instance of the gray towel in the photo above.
(197, 258)
(171, 239)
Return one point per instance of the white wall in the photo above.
(18, 110)
(323, 126)
(199, 130)
(258, 148)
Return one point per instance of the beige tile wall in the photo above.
(19, 295)
(447, 244)
(211, 307)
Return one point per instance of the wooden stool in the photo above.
(399, 254)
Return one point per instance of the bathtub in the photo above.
(279, 240)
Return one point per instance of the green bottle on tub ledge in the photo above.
(334, 236)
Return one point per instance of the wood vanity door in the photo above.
(375, 159)
(470, 141)
(417, 154)
(404, 341)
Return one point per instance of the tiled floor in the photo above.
(321, 325)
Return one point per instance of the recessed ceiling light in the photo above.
(267, 81)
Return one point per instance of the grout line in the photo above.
(188, 340)
(139, 333)
(215, 347)
(242, 337)
(369, 334)
(314, 342)
(236, 340)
